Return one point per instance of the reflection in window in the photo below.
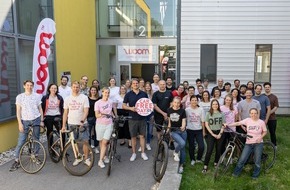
(208, 62)
(6, 18)
(8, 81)
(263, 63)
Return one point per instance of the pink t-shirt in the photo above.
(104, 107)
(229, 116)
(254, 128)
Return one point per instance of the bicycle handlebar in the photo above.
(239, 134)
(163, 126)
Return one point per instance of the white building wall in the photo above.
(236, 26)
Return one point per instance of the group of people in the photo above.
(201, 115)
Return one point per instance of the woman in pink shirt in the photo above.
(104, 124)
(257, 129)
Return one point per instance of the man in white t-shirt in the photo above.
(28, 112)
(64, 90)
(76, 108)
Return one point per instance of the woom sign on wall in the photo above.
(144, 106)
(147, 54)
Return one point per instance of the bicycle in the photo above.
(112, 148)
(73, 150)
(160, 159)
(234, 150)
(32, 156)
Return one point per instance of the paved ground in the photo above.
(125, 175)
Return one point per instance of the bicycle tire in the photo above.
(111, 154)
(32, 156)
(69, 158)
(223, 163)
(268, 155)
(160, 161)
(54, 149)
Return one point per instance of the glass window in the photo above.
(8, 81)
(30, 13)
(139, 19)
(208, 62)
(6, 16)
(263, 60)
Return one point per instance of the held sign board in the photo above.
(144, 106)
(147, 54)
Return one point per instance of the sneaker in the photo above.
(176, 156)
(192, 162)
(92, 146)
(180, 169)
(101, 164)
(148, 147)
(198, 161)
(14, 166)
(97, 151)
(106, 160)
(144, 156)
(139, 150)
(133, 157)
(87, 162)
(76, 162)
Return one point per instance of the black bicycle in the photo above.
(234, 150)
(112, 148)
(32, 155)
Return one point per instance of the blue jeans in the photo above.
(257, 148)
(149, 129)
(180, 139)
(23, 135)
(92, 131)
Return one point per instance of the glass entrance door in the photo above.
(125, 73)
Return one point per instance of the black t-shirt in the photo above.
(176, 117)
(92, 107)
(171, 88)
(162, 100)
(131, 98)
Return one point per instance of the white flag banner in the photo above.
(43, 39)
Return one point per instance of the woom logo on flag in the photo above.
(43, 39)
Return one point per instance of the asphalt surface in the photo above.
(124, 175)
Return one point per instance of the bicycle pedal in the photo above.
(118, 157)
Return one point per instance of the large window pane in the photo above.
(30, 13)
(8, 81)
(140, 19)
(6, 16)
(263, 63)
(26, 59)
(208, 62)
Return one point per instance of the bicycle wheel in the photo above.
(54, 148)
(223, 163)
(32, 156)
(77, 163)
(111, 154)
(160, 161)
(268, 155)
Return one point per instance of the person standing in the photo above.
(28, 111)
(154, 85)
(161, 100)
(186, 99)
(237, 83)
(104, 124)
(220, 86)
(149, 91)
(217, 96)
(272, 122)
(93, 98)
(214, 121)
(137, 125)
(84, 89)
(177, 125)
(169, 84)
(227, 90)
(180, 92)
(256, 128)
(64, 90)
(52, 106)
(194, 118)
(264, 102)
(243, 89)
(76, 108)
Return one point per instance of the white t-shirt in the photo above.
(194, 117)
(75, 106)
(205, 106)
(119, 101)
(114, 91)
(52, 106)
(64, 92)
(29, 105)
(154, 87)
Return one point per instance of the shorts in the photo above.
(82, 135)
(104, 131)
(137, 127)
(158, 120)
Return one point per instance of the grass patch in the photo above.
(278, 176)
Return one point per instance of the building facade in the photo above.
(246, 40)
